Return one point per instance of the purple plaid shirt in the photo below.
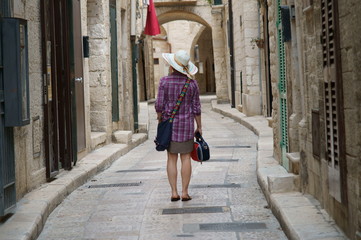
(169, 89)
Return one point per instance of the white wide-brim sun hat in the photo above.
(180, 61)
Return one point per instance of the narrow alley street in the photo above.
(131, 199)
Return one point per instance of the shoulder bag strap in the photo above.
(180, 99)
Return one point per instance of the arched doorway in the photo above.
(202, 47)
(192, 37)
(212, 28)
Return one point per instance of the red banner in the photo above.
(152, 26)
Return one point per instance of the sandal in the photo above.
(174, 199)
(186, 198)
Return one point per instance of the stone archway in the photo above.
(196, 38)
(205, 59)
(211, 18)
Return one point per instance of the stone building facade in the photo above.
(312, 56)
(79, 99)
(247, 74)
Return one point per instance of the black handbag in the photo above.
(164, 129)
(200, 151)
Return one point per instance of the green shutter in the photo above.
(114, 62)
(217, 2)
(282, 89)
(7, 155)
(135, 84)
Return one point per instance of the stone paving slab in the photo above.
(32, 211)
(301, 216)
(35, 207)
(138, 212)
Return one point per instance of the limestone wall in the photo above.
(125, 76)
(350, 46)
(246, 55)
(28, 140)
(305, 94)
(99, 65)
(272, 18)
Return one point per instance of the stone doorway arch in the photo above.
(203, 48)
(211, 18)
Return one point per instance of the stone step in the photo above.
(294, 160)
(138, 138)
(270, 121)
(123, 137)
(98, 139)
(143, 117)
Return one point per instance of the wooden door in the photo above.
(77, 78)
(57, 86)
(49, 90)
(63, 81)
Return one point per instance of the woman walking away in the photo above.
(183, 124)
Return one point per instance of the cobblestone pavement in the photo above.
(131, 199)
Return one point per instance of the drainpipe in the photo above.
(231, 50)
(259, 59)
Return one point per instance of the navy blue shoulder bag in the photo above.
(164, 129)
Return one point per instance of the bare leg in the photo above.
(186, 173)
(172, 172)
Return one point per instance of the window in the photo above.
(217, 2)
(196, 53)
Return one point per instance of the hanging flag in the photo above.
(151, 26)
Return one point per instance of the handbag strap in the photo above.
(180, 99)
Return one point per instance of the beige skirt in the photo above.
(181, 147)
